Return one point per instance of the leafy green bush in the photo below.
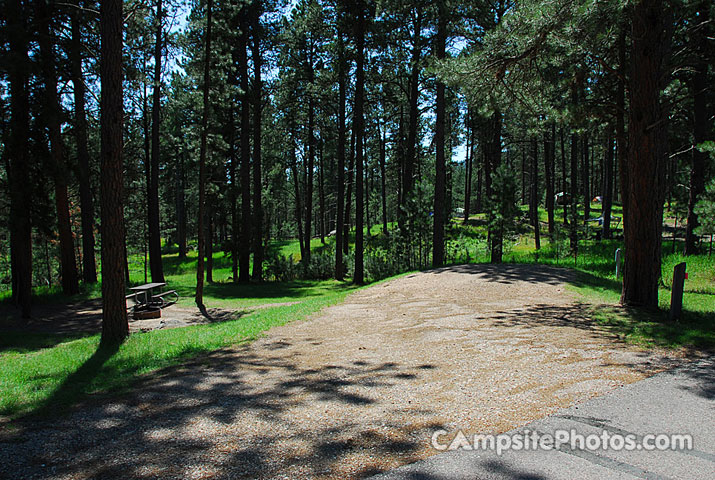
(280, 268)
(321, 266)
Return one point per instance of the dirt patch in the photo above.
(358, 388)
(85, 318)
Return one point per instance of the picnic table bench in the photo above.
(144, 298)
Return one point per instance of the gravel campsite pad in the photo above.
(356, 389)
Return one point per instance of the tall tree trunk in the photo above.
(651, 33)
(349, 193)
(233, 196)
(468, 168)
(564, 175)
(585, 178)
(400, 153)
(533, 197)
(51, 111)
(366, 189)
(210, 241)
(607, 184)
(181, 206)
(258, 254)
(408, 176)
(359, 126)
(340, 238)
(479, 177)
(206, 88)
(311, 163)
(621, 140)
(549, 164)
(89, 265)
(383, 179)
(155, 264)
(115, 326)
(492, 161)
(296, 185)
(147, 165)
(244, 237)
(699, 87)
(321, 192)
(574, 175)
(523, 176)
(19, 171)
(440, 184)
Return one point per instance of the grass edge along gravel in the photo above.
(50, 380)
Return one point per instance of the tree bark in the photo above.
(646, 157)
(52, 112)
(321, 192)
(19, 171)
(258, 253)
(340, 237)
(440, 184)
(181, 205)
(468, 168)
(155, 263)
(210, 241)
(244, 237)
(585, 178)
(607, 185)
(523, 176)
(533, 197)
(89, 265)
(206, 88)
(115, 326)
(492, 162)
(573, 237)
(408, 174)
(296, 185)
(383, 179)
(310, 173)
(349, 192)
(621, 141)
(564, 174)
(699, 87)
(549, 164)
(233, 196)
(359, 126)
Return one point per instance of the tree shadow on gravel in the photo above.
(229, 414)
(582, 316)
(702, 373)
(511, 273)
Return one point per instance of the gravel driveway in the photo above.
(355, 390)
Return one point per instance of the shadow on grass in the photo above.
(27, 342)
(77, 383)
(695, 332)
(237, 414)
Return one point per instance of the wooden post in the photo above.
(676, 296)
(618, 262)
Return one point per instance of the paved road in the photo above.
(680, 401)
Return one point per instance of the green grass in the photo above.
(47, 373)
(43, 373)
(597, 283)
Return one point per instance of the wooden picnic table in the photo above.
(147, 291)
